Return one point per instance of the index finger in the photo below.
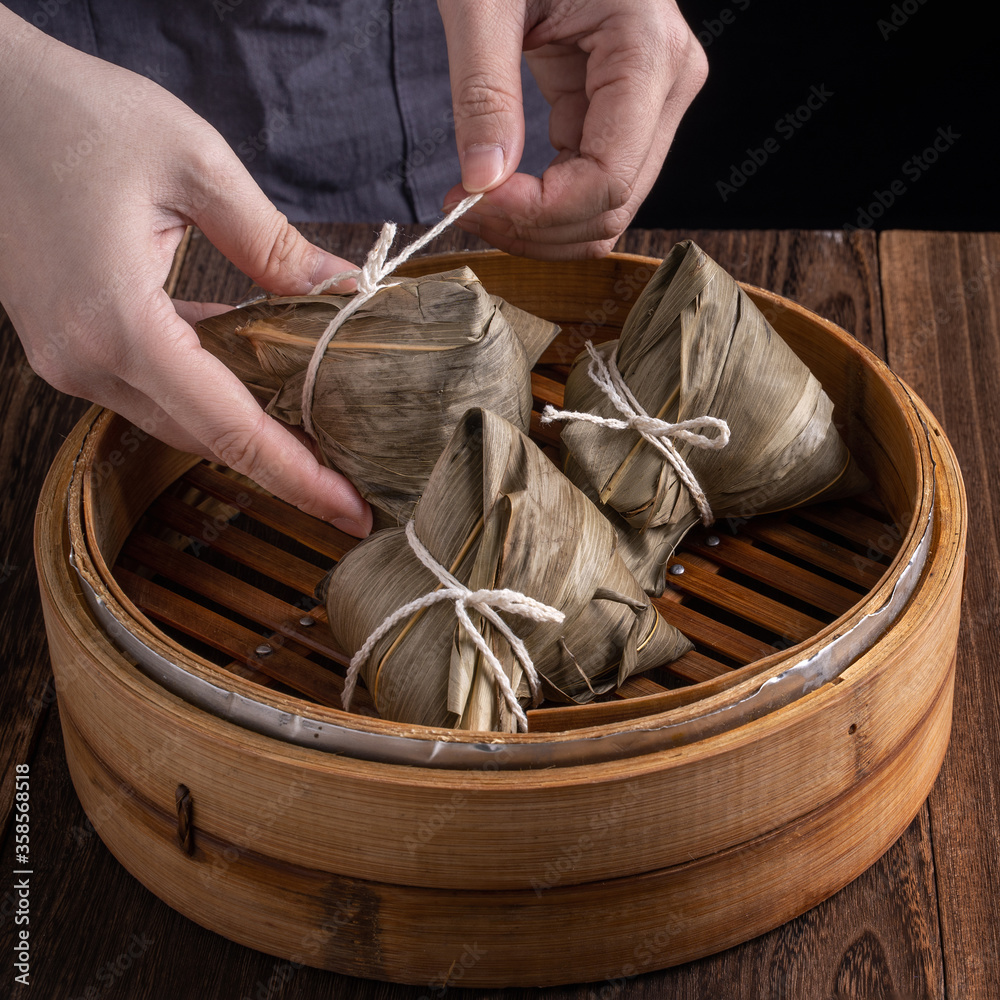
(638, 85)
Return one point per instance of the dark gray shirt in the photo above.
(341, 110)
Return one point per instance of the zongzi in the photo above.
(394, 380)
(497, 516)
(699, 411)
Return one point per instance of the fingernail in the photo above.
(350, 527)
(482, 166)
(326, 267)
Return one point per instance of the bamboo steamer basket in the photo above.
(699, 808)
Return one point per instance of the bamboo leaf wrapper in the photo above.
(396, 378)
(497, 514)
(695, 345)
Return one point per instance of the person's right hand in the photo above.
(100, 172)
(618, 74)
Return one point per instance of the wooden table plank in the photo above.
(34, 420)
(835, 274)
(942, 302)
(876, 938)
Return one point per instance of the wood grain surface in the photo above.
(942, 316)
(921, 923)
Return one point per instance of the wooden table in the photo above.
(922, 922)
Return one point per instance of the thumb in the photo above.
(484, 56)
(237, 217)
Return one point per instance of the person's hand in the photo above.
(619, 75)
(100, 172)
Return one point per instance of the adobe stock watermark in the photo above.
(429, 828)
(129, 442)
(315, 940)
(277, 121)
(423, 149)
(445, 980)
(646, 956)
(377, 20)
(46, 11)
(113, 970)
(787, 127)
(213, 527)
(912, 169)
(602, 824)
(96, 138)
(899, 14)
(247, 841)
(61, 341)
(223, 8)
(79, 151)
(625, 290)
(712, 27)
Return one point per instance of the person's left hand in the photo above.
(619, 75)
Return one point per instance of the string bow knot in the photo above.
(659, 433)
(486, 602)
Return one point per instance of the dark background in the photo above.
(892, 90)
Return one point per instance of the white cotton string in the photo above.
(657, 432)
(369, 277)
(483, 601)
